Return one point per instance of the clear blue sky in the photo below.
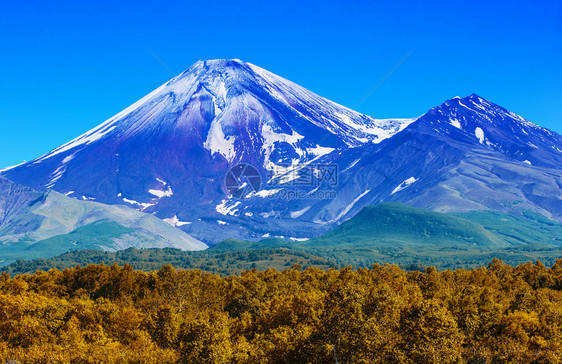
(68, 66)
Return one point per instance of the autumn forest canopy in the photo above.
(116, 314)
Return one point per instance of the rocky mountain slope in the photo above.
(44, 224)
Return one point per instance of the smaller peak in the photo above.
(472, 98)
(476, 99)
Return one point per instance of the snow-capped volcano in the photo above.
(170, 154)
(227, 103)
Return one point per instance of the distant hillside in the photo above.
(45, 224)
(396, 224)
(213, 261)
(526, 229)
(92, 236)
(407, 236)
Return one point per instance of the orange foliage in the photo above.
(112, 314)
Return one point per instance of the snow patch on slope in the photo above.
(217, 142)
(267, 193)
(349, 207)
(144, 205)
(297, 214)
(174, 221)
(299, 239)
(479, 133)
(456, 123)
(57, 174)
(159, 193)
(319, 151)
(224, 209)
(404, 184)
